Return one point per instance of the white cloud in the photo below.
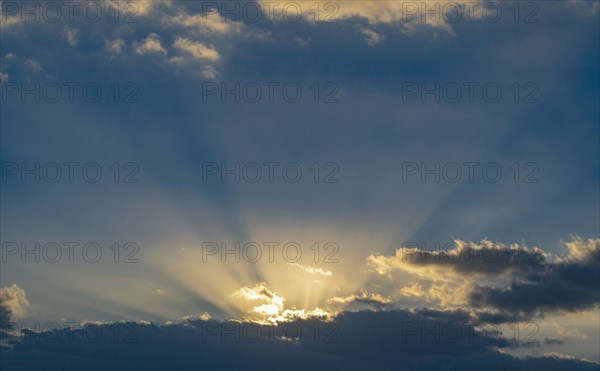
(34, 65)
(177, 60)
(312, 270)
(557, 355)
(196, 49)
(211, 22)
(13, 303)
(408, 13)
(7, 21)
(71, 36)
(373, 37)
(205, 316)
(114, 46)
(159, 292)
(413, 289)
(136, 8)
(273, 302)
(272, 310)
(151, 44)
(581, 250)
(363, 297)
(569, 333)
(209, 72)
(302, 42)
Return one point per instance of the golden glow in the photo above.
(273, 310)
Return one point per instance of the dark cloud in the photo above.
(506, 283)
(13, 303)
(5, 313)
(569, 284)
(485, 258)
(353, 340)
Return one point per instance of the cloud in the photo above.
(151, 44)
(9, 56)
(405, 14)
(363, 298)
(400, 340)
(373, 38)
(272, 309)
(569, 333)
(301, 41)
(502, 282)
(114, 46)
(552, 341)
(205, 316)
(209, 73)
(459, 258)
(413, 289)
(569, 284)
(13, 303)
(583, 251)
(71, 36)
(138, 8)
(209, 22)
(33, 65)
(273, 303)
(159, 292)
(311, 270)
(196, 49)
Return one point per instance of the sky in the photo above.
(351, 184)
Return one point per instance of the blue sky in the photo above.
(386, 73)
